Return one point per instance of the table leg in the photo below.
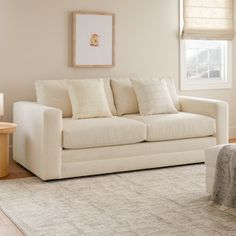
(4, 154)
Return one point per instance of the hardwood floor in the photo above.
(16, 171)
(7, 228)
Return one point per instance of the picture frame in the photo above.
(93, 39)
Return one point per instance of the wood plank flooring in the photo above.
(16, 171)
(8, 228)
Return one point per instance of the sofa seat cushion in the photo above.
(176, 126)
(98, 132)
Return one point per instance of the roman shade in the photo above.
(208, 19)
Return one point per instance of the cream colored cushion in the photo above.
(88, 98)
(86, 133)
(53, 93)
(124, 96)
(173, 93)
(176, 126)
(109, 94)
(153, 97)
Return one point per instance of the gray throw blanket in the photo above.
(224, 190)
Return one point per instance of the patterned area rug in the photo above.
(168, 201)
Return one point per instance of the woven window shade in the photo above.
(208, 19)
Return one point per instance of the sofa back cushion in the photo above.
(88, 98)
(54, 93)
(173, 93)
(126, 100)
(124, 96)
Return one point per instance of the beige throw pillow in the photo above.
(54, 93)
(124, 96)
(153, 97)
(108, 92)
(88, 98)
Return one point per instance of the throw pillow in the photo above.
(108, 92)
(54, 93)
(153, 97)
(88, 98)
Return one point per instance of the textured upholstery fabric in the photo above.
(173, 93)
(176, 126)
(137, 149)
(88, 99)
(37, 141)
(90, 161)
(37, 144)
(214, 108)
(109, 95)
(124, 96)
(153, 97)
(87, 133)
(53, 93)
(108, 92)
(208, 19)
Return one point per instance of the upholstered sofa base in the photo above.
(145, 155)
(39, 143)
(93, 161)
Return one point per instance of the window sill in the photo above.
(205, 86)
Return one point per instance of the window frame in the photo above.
(200, 84)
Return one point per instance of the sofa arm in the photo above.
(213, 108)
(37, 143)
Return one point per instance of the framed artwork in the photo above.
(93, 39)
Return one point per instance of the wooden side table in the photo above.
(5, 129)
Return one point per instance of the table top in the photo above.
(7, 127)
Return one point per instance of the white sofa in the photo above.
(53, 147)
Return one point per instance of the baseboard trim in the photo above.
(232, 132)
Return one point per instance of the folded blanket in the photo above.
(224, 189)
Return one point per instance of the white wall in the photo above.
(35, 43)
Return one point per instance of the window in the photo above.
(205, 64)
(207, 29)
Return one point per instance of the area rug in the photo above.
(167, 201)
